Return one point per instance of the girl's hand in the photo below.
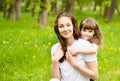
(58, 54)
(73, 51)
(71, 59)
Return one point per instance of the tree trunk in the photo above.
(54, 7)
(109, 12)
(43, 15)
(4, 9)
(112, 9)
(106, 13)
(63, 6)
(1, 5)
(94, 7)
(27, 4)
(10, 11)
(70, 6)
(17, 9)
(33, 8)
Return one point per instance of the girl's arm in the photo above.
(91, 71)
(92, 49)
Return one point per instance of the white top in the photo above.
(68, 73)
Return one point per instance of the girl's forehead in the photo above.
(87, 29)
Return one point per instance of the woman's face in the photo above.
(65, 27)
(87, 33)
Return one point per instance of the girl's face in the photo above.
(87, 33)
(65, 27)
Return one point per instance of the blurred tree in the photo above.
(4, 9)
(112, 9)
(97, 3)
(1, 5)
(53, 6)
(109, 11)
(10, 8)
(63, 5)
(43, 13)
(27, 4)
(33, 7)
(85, 4)
(68, 6)
(17, 9)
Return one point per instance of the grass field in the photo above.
(25, 48)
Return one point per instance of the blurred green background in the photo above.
(26, 36)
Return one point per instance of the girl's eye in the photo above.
(84, 29)
(91, 31)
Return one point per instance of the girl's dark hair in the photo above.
(90, 23)
(76, 32)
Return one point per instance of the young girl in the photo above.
(65, 66)
(89, 31)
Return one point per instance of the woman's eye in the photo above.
(60, 26)
(68, 25)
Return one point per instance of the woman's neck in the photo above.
(70, 41)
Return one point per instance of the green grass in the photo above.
(25, 49)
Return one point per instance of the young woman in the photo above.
(66, 67)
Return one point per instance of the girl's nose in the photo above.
(87, 33)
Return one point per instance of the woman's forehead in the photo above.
(63, 20)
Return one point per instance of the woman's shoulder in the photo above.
(55, 46)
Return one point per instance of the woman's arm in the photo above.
(55, 63)
(91, 71)
(55, 69)
(92, 49)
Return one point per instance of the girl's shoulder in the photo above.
(86, 43)
(94, 45)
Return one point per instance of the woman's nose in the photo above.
(65, 28)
